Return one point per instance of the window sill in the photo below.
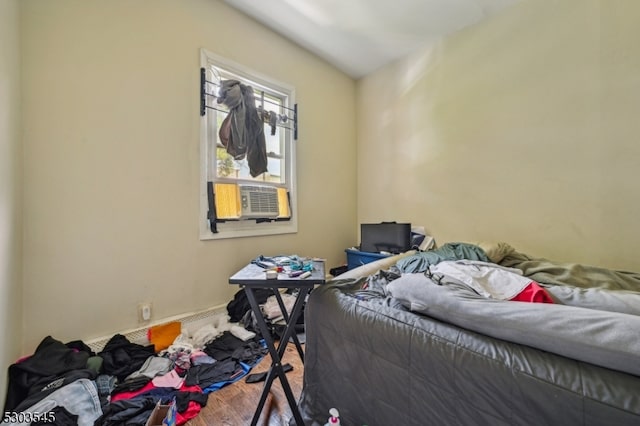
(248, 228)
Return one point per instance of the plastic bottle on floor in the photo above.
(334, 419)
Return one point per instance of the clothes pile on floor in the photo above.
(122, 383)
(239, 310)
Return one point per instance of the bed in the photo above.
(389, 344)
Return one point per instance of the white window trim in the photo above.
(246, 228)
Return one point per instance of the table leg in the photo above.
(302, 295)
(276, 360)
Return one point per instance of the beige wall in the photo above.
(10, 191)
(522, 129)
(111, 141)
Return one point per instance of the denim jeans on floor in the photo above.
(79, 398)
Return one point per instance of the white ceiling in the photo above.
(359, 36)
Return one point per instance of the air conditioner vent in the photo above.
(258, 201)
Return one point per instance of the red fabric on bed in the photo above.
(533, 293)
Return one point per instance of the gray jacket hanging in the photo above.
(242, 131)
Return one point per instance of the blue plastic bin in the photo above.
(357, 258)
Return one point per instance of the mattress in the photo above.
(466, 361)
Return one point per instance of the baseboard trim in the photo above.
(191, 322)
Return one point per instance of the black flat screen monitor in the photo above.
(388, 237)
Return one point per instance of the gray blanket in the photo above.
(608, 339)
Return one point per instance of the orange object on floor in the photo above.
(163, 335)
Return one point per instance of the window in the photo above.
(247, 178)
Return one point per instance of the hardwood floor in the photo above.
(234, 404)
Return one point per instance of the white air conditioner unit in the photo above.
(258, 201)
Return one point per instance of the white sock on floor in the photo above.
(242, 333)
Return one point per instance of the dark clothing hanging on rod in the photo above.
(266, 116)
(282, 117)
(255, 92)
(242, 131)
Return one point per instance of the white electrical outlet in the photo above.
(144, 311)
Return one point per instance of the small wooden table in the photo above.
(253, 276)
